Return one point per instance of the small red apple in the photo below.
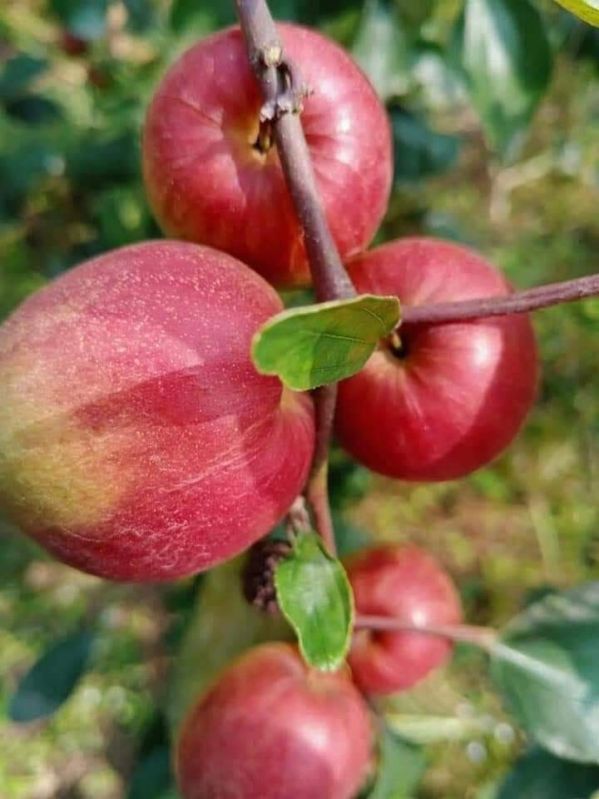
(273, 728)
(456, 394)
(405, 583)
(209, 180)
(137, 441)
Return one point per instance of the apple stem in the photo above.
(482, 637)
(519, 302)
(317, 493)
(283, 92)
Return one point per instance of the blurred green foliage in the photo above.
(501, 152)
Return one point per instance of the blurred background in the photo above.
(499, 153)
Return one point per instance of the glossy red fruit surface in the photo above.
(137, 441)
(208, 181)
(272, 728)
(406, 583)
(457, 394)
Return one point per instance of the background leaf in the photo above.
(420, 151)
(540, 775)
(400, 768)
(318, 344)
(223, 625)
(380, 47)
(546, 666)
(315, 597)
(84, 18)
(585, 9)
(507, 60)
(52, 679)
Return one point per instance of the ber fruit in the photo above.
(213, 175)
(273, 728)
(407, 584)
(454, 395)
(137, 441)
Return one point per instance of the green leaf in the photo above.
(315, 597)
(318, 344)
(419, 150)
(540, 775)
(400, 768)
(52, 679)
(546, 666)
(588, 10)
(506, 56)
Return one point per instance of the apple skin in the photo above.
(406, 583)
(207, 182)
(137, 441)
(273, 728)
(460, 393)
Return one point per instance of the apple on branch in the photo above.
(212, 172)
(405, 584)
(137, 440)
(441, 400)
(272, 727)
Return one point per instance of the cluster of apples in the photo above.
(138, 442)
(273, 728)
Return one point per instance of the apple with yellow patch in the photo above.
(137, 441)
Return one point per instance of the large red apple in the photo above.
(137, 441)
(407, 584)
(274, 729)
(455, 395)
(209, 181)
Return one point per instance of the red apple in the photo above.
(209, 181)
(405, 583)
(137, 441)
(456, 394)
(273, 728)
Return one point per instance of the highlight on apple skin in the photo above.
(273, 728)
(137, 441)
(210, 181)
(406, 583)
(456, 394)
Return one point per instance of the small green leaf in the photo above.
(545, 663)
(540, 775)
(315, 597)
(506, 56)
(588, 10)
(400, 768)
(319, 344)
(52, 679)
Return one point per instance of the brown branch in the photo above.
(483, 637)
(519, 302)
(329, 277)
(266, 55)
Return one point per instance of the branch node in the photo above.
(290, 96)
(271, 55)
